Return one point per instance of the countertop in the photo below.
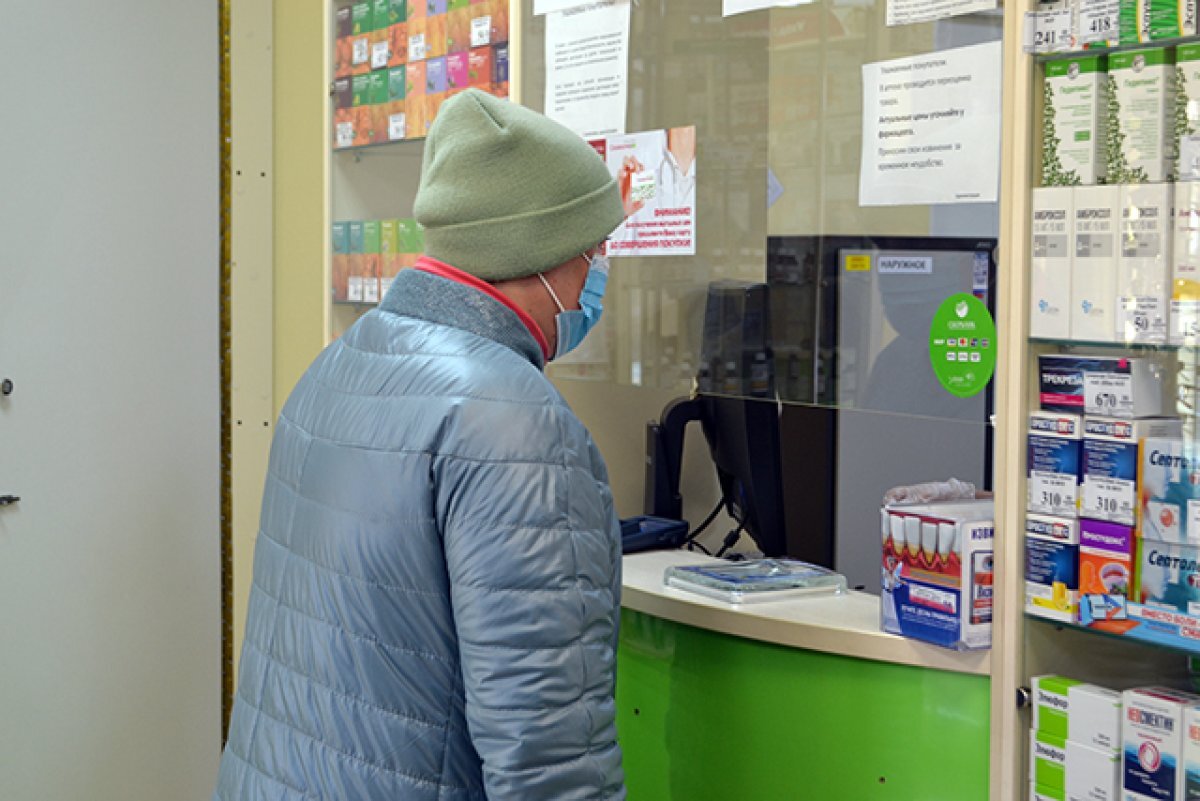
(841, 624)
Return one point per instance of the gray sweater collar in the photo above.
(416, 293)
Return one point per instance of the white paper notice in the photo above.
(931, 128)
(731, 7)
(907, 12)
(550, 6)
(587, 67)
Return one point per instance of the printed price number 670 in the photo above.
(1104, 400)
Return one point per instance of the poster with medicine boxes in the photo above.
(397, 61)
(367, 255)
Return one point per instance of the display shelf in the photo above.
(1140, 347)
(1119, 48)
(379, 147)
(1144, 626)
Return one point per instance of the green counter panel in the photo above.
(705, 716)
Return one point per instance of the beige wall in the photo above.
(301, 147)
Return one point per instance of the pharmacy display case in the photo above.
(1098, 314)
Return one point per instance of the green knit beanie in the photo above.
(506, 192)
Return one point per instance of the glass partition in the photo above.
(784, 299)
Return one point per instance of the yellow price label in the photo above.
(858, 264)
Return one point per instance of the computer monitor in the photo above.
(744, 437)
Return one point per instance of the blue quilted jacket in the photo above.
(436, 577)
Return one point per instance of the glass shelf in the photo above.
(1134, 346)
(1095, 51)
(1140, 630)
(376, 147)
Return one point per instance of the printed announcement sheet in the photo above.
(587, 73)
(931, 128)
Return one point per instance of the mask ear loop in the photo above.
(546, 284)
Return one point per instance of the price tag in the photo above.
(1142, 318)
(396, 127)
(345, 134)
(1048, 31)
(1109, 394)
(1185, 322)
(1108, 499)
(379, 55)
(354, 288)
(362, 50)
(371, 290)
(416, 47)
(1193, 522)
(1099, 21)
(1053, 493)
(481, 31)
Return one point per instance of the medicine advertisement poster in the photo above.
(587, 67)
(931, 128)
(656, 171)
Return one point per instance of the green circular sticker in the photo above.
(962, 345)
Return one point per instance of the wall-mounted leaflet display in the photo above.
(397, 61)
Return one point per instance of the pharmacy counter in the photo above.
(845, 624)
(790, 699)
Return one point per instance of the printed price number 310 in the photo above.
(1052, 499)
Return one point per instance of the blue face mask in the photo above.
(574, 324)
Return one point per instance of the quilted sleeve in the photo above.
(529, 539)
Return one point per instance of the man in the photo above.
(437, 572)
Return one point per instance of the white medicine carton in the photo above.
(1095, 717)
(1094, 263)
(1050, 265)
(1152, 735)
(1144, 264)
(1092, 774)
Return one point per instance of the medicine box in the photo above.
(1140, 143)
(1113, 386)
(1152, 736)
(1168, 580)
(1187, 99)
(1170, 490)
(1110, 464)
(1144, 264)
(1039, 793)
(1106, 552)
(1050, 266)
(1073, 113)
(1096, 212)
(1092, 774)
(1095, 717)
(1051, 567)
(1185, 261)
(939, 586)
(1191, 751)
(1054, 460)
(1048, 761)
(1052, 704)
